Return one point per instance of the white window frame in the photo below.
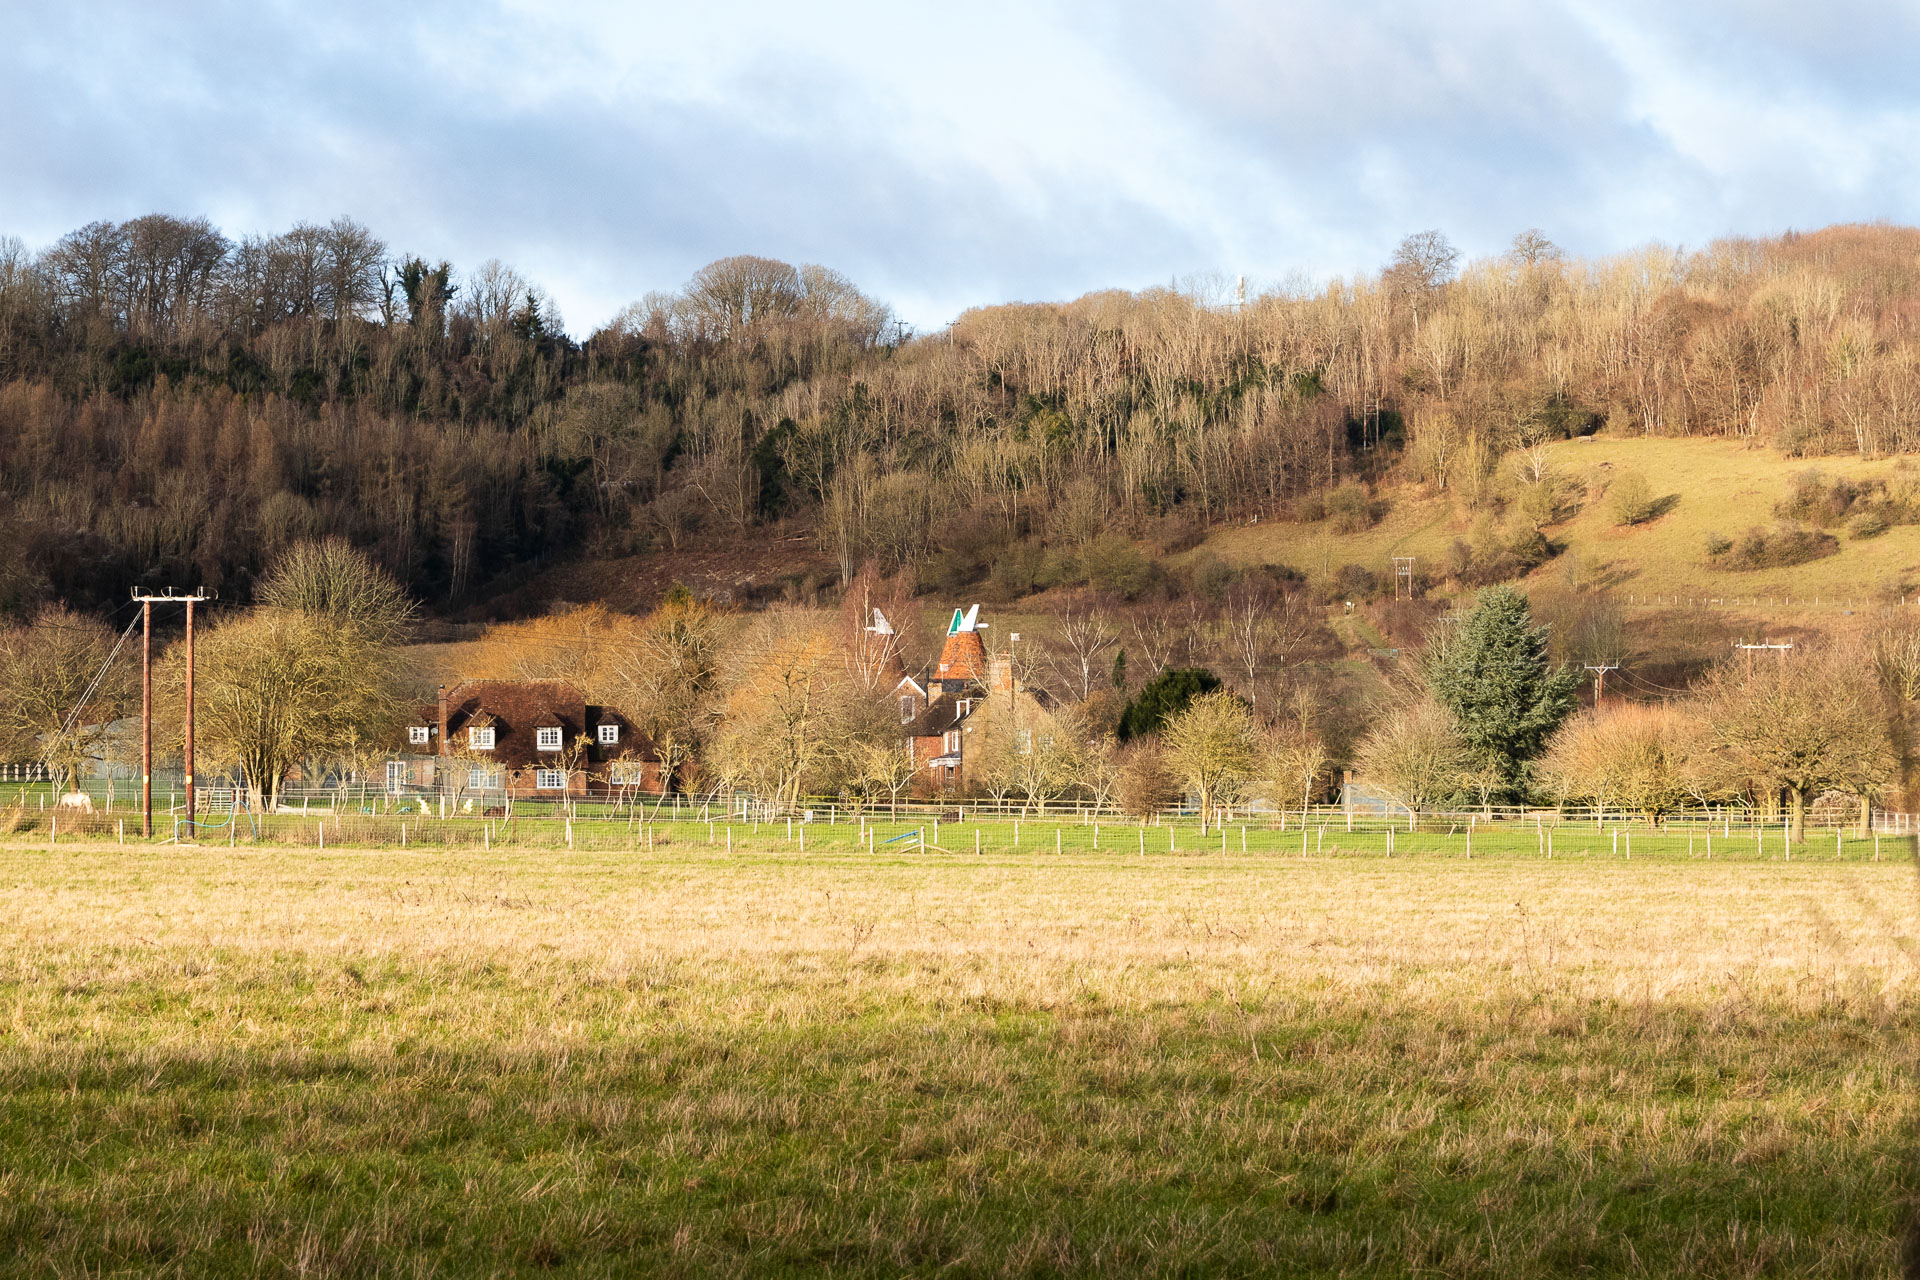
(1026, 742)
(609, 734)
(396, 776)
(953, 741)
(481, 739)
(483, 780)
(549, 779)
(548, 739)
(627, 773)
(964, 705)
(419, 735)
(906, 708)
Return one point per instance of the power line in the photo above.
(93, 687)
(1642, 682)
(1647, 686)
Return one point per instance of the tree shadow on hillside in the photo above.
(1659, 507)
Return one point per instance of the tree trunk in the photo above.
(1796, 815)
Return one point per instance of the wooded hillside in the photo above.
(177, 406)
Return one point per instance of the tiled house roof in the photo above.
(936, 719)
(962, 657)
(516, 710)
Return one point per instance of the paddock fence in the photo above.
(1368, 822)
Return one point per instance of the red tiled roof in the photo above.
(962, 657)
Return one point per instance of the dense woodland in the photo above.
(178, 406)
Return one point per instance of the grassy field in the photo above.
(289, 1062)
(406, 823)
(1717, 486)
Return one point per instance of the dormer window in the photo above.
(547, 739)
(480, 739)
(418, 735)
(962, 707)
(609, 734)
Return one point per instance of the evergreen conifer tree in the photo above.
(1164, 697)
(1492, 675)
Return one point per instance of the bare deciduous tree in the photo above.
(734, 294)
(668, 679)
(1646, 758)
(1415, 753)
(46, 671)
(1800, 726)
(1145, 785)
(1157, 634)
(279, 686)
(1422, 265)
(335, 579)
(1896, 658)
(1248, 627)
(881, 766)
(1297, 758)
(1037, 756)
(793, 720)
(1214, 747)
(1531, 248)
(1079, 640)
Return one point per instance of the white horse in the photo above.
(79, 801)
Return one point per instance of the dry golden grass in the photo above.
(286, 1062)
(1718, 486)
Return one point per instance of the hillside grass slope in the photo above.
(1705, 486)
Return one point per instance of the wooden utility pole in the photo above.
(146, 719)
(1600, 680)
(146, 704)
(188, 788)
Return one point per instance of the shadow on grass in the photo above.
(1320, 1134)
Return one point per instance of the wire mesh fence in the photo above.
(1362, 809)
(697, 829)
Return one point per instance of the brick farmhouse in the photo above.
(527, 739)
(944, 712)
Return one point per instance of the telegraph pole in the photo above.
(188, 788)
(146, 719)
(1600, 680)
(146, 703)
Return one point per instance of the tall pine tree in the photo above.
(1491, 673)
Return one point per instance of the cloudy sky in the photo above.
(950, 155)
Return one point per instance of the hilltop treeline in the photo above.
(177, 406)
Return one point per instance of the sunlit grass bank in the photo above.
(285, 1061)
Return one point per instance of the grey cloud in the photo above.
(1313, 136)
